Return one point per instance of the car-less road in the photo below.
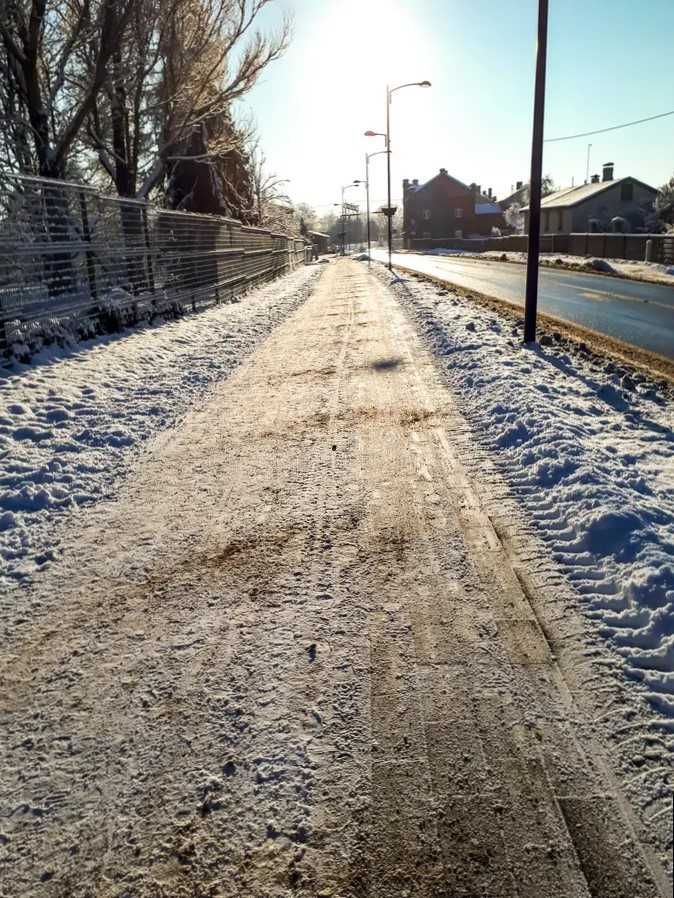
(632, 311)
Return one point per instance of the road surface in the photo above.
(293, 660)
(635, 312)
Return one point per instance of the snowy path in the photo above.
(72, 424)
(293, 657)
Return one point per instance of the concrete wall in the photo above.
(609, 246)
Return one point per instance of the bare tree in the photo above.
(43, 99)
(199, 82)
(269, 195)
(664, 203)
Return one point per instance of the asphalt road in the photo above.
(633, 311)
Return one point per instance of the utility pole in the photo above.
(531, 298)
(587, 167)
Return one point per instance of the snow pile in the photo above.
(71, 422)
(588, 446)
(596, 265)
(446, 252)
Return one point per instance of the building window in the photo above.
(427, 214)
(427, 233)
(458, 234)
(626, 192)
(560, 216)
(546, 222)
(458, 213)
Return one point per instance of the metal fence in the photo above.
(607, 246)
(68, 252)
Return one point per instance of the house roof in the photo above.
(572, 196)
(317, 234)
(417, 188)
(488, 208)
(482, 199)
(518, 196)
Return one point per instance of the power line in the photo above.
(604, 130)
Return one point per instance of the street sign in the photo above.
(388, 211)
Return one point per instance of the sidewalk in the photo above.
(294, 659)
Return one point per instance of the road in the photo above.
(632, 311)
(293, 659)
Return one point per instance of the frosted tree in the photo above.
(44, 100)
(211, 55)
(664, 203)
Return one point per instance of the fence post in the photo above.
(91, 261)
(148, 255)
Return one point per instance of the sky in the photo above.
(609, 62)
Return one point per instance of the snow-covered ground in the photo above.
(72, 421)
(588, 446)
(640, 271)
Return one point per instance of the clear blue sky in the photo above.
(609, 61)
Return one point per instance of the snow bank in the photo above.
(588, 446)
(653, 272)
(71, 422)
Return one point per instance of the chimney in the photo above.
(489, 193)
(443, 171)
(608, 172)
(478, 189)
(406, 184)
(519, 185)
(415, 182)
(594, 179)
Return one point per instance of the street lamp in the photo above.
(369, 156)
(389, 213)
(346, 187)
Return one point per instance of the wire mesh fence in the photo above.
(70, 253)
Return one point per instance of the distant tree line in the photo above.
(137, 96)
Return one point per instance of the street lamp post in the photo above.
(369, 156)
(389, 214)
(346, 187)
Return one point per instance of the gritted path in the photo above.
(294, 659)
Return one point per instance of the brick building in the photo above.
(445, 208)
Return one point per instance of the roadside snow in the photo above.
(72, 420)
(588, 447)
(641, 271)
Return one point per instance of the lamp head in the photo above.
(424, 84)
